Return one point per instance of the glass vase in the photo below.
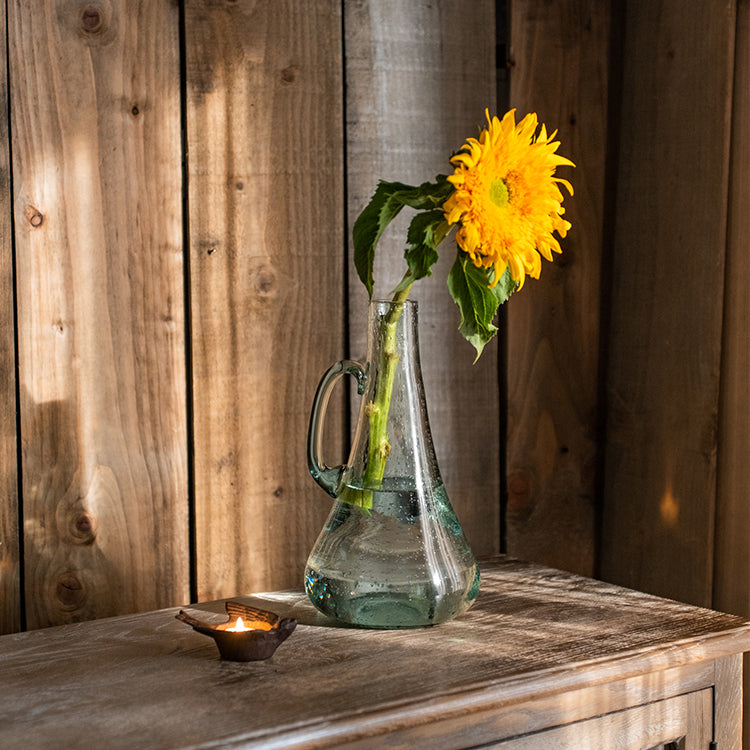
(392, 553)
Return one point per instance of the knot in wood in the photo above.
(83, 529)
(263, 282)
(70, 591)
(289, 75)
(91, 19)
(520, 500)
(34, 216)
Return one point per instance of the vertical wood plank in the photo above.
(561, 57)
(419, 77)
(264, 94)
(668, 273)
(732, 572)
(732, 555)
(97, 167)
(10, 590)
(728, 703)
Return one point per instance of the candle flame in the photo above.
(239, 627)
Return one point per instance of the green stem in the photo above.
(378, 408)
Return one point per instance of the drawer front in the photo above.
(685, 720)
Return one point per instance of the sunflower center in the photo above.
(499, 194)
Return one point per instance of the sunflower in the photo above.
(507, 198)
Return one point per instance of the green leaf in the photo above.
(384, 206)
(469, 287)
(426, 231)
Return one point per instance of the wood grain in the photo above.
(728, 702)
(540, 648)
(731, 579)
(419, 77)
(666, 309)
(526, 720)
(732, 571)
(96, 150)
(264, 99)
(100, 276)
(10, 563)
(561, 57)
(684, 717)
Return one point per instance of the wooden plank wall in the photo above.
(179, 238)
(10, 568)
(129, 466)
(627, 362)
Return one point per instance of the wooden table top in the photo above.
(148, 680)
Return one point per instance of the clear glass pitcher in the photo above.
(392, 553)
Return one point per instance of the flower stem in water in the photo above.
(377, 410)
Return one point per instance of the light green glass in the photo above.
(392, 553)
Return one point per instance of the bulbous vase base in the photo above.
(401, 564)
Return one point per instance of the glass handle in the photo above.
(328, 477)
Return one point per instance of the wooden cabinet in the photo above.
(544, 660)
